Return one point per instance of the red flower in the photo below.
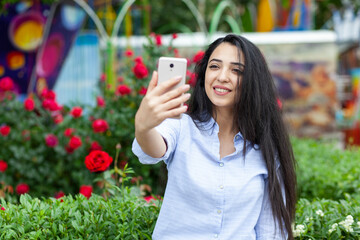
(69, 132)
(140, 70)
(76, 112)
(59, 194)
(3, 166)
(174, 35)
(100, 125)
(48, 94)
(86, 190)
(279, 103)
(129, 53)
(143, 91)
(103, 77)
(5, 130)
(29, 104)
(98, 161)
(2, 208)
(192, 80)
(198, 56)
(22, 188)
(6, 84)
(138, 59)
(100, 101)
(75, 142)
(51, 140)
(158, 40)
(123, 90)
(148, 199)
(58, 118)
(50, 105)
(95, 146)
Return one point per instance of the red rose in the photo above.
(2, 208)
(143, 91)
(140, 70)
(100, 125)
(158, 40)
(5, 130)
(100, 101)
(192, 80)
(51, 140)
(95, 146)
(123, 90)
(48, 94)
(129, 53)
(69, 132)
(86, 190)
(138, 59)
(174, 35)
(29, 104)
(279, 103)
(59, 194)
(58, 118)
(22, 188)
(50, 105)
(6, 84)
(76, 112)
(148, 199)
(98, 161)
(103, 77)
(198, 56)
(75, 142)
(3, 166)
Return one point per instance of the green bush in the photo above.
(126, 217)
(129, 217)
(327, 219)
(325, 171)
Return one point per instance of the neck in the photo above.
(225, 120)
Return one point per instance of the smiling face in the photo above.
(222, 74)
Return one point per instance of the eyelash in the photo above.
(238, 71)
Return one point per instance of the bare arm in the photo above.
(158, 104)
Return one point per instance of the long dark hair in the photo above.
(258, 118)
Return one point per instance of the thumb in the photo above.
(153, 81)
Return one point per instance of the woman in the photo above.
(230, 163)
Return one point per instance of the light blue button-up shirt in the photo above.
(207, 197)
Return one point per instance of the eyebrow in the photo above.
(234, 63)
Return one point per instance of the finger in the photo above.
(176, 112)
(174, 103)
(167, 85)
(174, 93)
(153, 81)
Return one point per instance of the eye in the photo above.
(213, 66)
(238, 71)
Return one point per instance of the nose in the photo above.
(223, 75)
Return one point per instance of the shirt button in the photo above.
(219, 211)
(221, 186)
(237, 137)
(216, 236)
(221, 164)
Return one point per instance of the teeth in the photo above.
(221, 90)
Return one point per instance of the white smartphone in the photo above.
(170, 67)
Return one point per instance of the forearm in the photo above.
(151, 142)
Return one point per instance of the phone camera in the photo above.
(171, 65)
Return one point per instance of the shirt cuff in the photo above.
(145, 158)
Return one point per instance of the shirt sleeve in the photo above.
(267, 227)
(169, 130)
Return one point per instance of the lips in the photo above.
(220, 90)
